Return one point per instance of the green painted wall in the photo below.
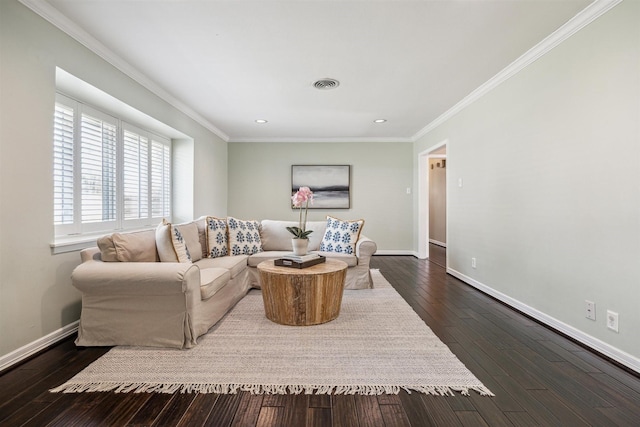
(550, 161)
(260, 182)
(36, 296)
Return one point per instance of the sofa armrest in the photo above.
(136, 278)
(92, 253)
(365, 248)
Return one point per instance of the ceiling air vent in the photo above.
(325, 84)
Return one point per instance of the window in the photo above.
(108, 174)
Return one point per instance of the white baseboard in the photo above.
(614, 353)
(436, 242)
(607, 350)
(34, 347)
(395, 252)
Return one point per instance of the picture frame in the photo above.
(330, 184)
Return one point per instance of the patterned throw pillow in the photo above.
(217, 243)
(179, 245)
(172, 241)
(244, 237)
(341, 236)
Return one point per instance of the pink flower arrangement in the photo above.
(304, 196)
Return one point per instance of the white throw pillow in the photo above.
(341, 236)
(172, 242)
(166, 253)
(244, 237)
(217, 242)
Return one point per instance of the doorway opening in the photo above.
(432, 216)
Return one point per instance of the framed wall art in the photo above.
(331, 184)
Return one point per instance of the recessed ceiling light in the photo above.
(379, 120)
(262, 121)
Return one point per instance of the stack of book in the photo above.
(300, 261)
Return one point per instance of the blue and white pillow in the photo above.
(244, 237)
(179, 245)
(341, 236)
(217, 242)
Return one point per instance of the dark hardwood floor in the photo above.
(538, 376)
(438, 255)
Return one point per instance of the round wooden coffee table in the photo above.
(302, 297)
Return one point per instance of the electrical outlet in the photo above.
(612, 320)
(590, 310)
(473, 262)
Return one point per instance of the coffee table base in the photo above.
(297, 298)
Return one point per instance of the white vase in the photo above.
(300, 246)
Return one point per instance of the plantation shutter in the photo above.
(160, 178)
(63, 158)
(108, 175)
(98, 156)
(136, 175)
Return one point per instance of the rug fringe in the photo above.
(266, 389)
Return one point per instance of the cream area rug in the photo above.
(378, 345)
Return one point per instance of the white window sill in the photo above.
(76, 243)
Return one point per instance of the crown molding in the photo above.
(268, 140)
(575, 24)
(55, 17)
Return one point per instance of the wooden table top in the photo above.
(330, 266)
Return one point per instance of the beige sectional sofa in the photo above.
(163, 287)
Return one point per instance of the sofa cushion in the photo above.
(217, 242)
(350, 259)
(107, 248)
(212, 280)
(244, 236)
(275, 237)
(235, 264)
(191, 238)
(136, 247)
(341, 236)
(164, 244)
(139, 246)
(201, 223)
(177, 243)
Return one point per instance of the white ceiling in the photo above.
(232, 62)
